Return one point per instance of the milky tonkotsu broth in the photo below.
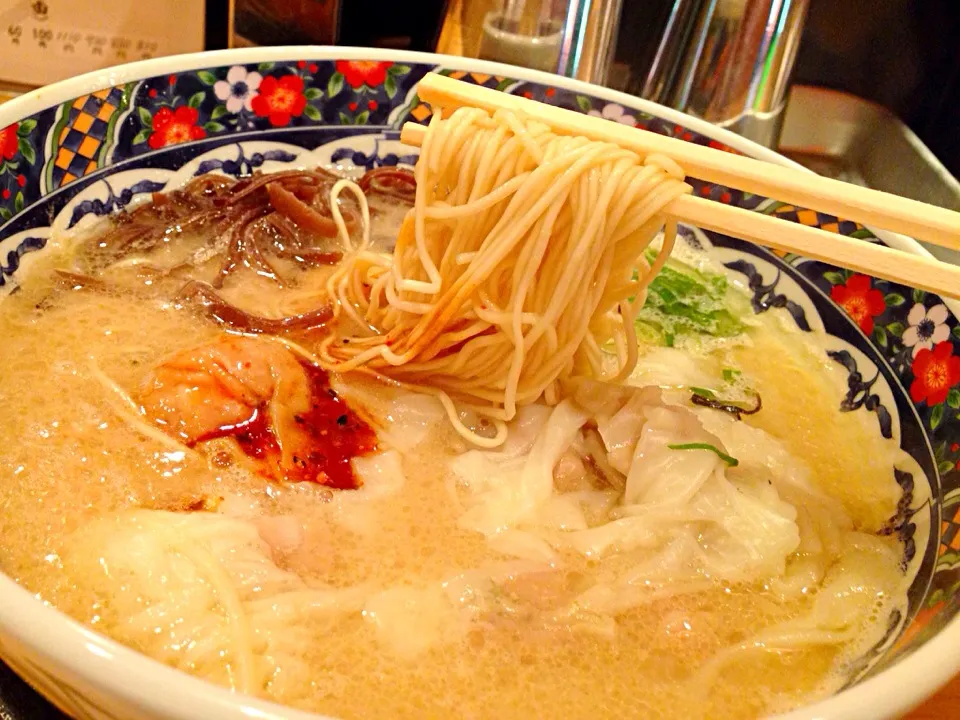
(68, 459)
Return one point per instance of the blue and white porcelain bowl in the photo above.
(89, 146)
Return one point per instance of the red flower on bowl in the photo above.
(9, 141)
(280, 99)
(363, 72)
(935, 372)
(861, 301)
(171, 127)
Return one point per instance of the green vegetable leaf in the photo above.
(895, 328)
(26, 127)
(584, 104)
(731, 461)
(940, 450)
(311, 112)
(953, 399)
(881, 335)
(682, 301)
(648, 334)
(196, 100)
(212, 127)
(335, 84)
(18, 202)
(390, 85)
(265, 67)
(703, 392)
(936, 417)
(26, 149)
(145, 118)
(834, 278)
(895, 300)
(218, 112)
(141, 137)
(312, 93)
(946, 466)
(731, 374)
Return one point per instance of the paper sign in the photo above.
(42, 41)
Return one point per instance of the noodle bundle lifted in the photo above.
(523, 256)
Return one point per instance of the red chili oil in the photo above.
(337, 435)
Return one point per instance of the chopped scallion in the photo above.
(731, 461)
(731, 374)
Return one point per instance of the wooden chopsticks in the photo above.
(871, 207)
(850, 202)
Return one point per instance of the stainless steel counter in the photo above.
(845, 137)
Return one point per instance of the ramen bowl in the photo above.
(96, 144)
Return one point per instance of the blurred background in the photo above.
(866, 90)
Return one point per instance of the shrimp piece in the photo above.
(280, 410)
(222, 388)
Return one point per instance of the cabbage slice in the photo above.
(686, 519)
(198, 591)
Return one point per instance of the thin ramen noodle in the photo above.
(523, 255)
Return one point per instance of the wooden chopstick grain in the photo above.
(874, 208)
(875, 260)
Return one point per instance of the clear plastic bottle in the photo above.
(571, 37)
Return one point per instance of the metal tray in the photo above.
(848, 138)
